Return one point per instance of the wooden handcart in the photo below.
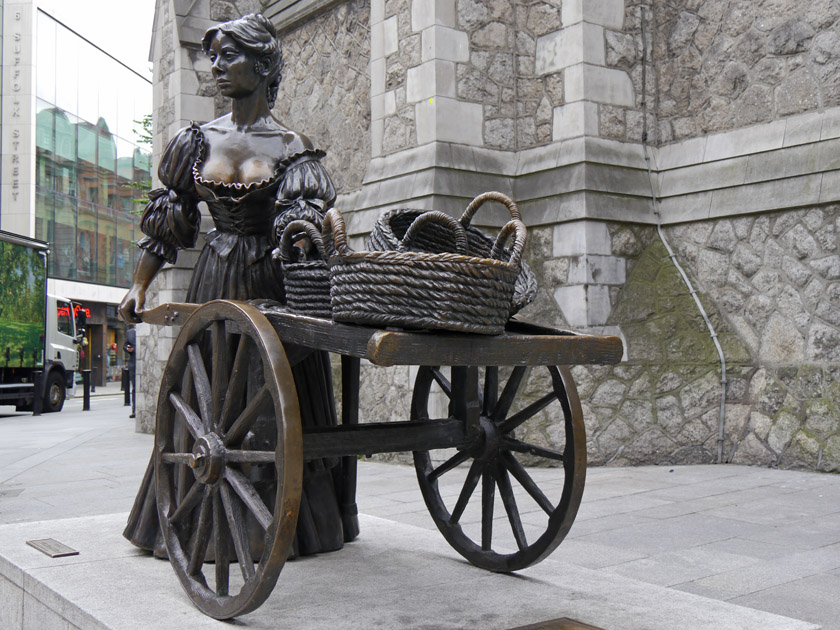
(494, 385)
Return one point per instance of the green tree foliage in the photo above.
(143, 133)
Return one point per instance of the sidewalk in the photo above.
(764, 540)
(110, 388)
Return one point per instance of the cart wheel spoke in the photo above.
(248, 416)
(560, 392)
(506, 492)
(238, 380)
(202, 384)
(221, 548)
(526, 414)
(220, 368)
(491, 390)
(470, 483)
(236, 526)
(459, 458)
(532, 449)
(442, 381)
(488, 491)
(194, 424)
(509, 393)
(246, 491)
(201, 534)
(182, 436)
(190, 500)
(527, 482)
(250, 457)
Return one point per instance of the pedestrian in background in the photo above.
(130, 347)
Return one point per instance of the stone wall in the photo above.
(770, 285)
(325, 92)
(501, 73)
(776, 279)
(725, 64)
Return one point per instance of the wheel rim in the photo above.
(217, 450)
(55, 394)
(537, 508)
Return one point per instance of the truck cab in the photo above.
(38, 351)
(62, 355)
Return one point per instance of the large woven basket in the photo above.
(392, 225)
(406, 288)
(307, 281)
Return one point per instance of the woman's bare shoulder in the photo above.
(222, 122)
(297, 142)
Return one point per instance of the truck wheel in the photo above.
(54, 394)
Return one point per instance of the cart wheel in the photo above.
(538, 507)
(228, 426)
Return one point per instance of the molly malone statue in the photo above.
(255, 176)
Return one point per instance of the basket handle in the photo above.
(516, 227)
(435, 216)
(476, 203)
(293, 229)
(334, 231)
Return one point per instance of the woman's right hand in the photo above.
(132, 304)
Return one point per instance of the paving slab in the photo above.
(813, 598)
(759, 578)
(394, 576)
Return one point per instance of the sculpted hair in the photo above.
(258, 36)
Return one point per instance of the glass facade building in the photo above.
(88, 164)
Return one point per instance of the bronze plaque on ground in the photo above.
(52, 547)
(563, 623)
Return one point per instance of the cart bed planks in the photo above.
(521, 343)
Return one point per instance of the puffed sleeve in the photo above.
(171, 219)
(306, 191)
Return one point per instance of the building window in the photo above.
(87, 162)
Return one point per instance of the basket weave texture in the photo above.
(307, 282)
(406, 288)
(391, 226)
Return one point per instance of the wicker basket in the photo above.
(392, 225)
(415, 289)
(307, 281)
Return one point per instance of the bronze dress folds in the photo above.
(236, 263)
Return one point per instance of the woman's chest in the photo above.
(233, 157)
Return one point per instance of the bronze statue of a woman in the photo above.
(255, 176)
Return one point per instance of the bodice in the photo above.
(250, 214)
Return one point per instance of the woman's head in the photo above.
(256, 36)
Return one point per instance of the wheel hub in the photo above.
(208, 459)
(489, 441)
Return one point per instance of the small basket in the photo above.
(392, 225)
(307, 281)
(450, 290)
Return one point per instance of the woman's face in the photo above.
(233, 68)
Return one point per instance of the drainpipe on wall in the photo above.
(672, 256)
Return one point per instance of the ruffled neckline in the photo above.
(238, 187)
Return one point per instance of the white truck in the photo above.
(37, 331)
